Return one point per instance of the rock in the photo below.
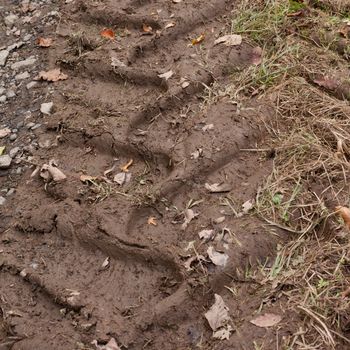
(19, 124)
(14, 130)
(5, 161)
(3, 57)
(25, 63)
(30, 125)
(3, 99)
(10, 94)
(2, 200)
(27, 37)
(10, 19)
(13, 137)
(14, 152)
(46, 108)
(14, 46)
(31, 85)
(2, 90)
(19, 171)
(22, 76)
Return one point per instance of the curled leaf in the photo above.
(166, 75)
(344, 212)
(146, 28)
(217, 258)
(218, 188)
(125, 167)
(51, 172)
(229, 40)
(198, 40)
(152, 221)
(108, 33)
(84, 178)
(44, 42)
(189, 216)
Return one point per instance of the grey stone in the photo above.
(2, 90)
(19, 171)
(3, 99)
(27, 37)
(15, 46)
(2, 200)
(22, 76)
(25, 63)
(10, 19)
(19, 125)
(31, 85)
(13, 137)
(46, 108)
(5, 161)
(10, 94)
(14, 130)
(36, 126)
(3, 57)
(14, 152)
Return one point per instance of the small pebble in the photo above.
(36, 126)
(3, 99)
(14, 152)
(2, 200)
(13, 137)
(31, 85)
(30, 125)
(46, 108)
(5, 161)
(22, 76)
(10, 192)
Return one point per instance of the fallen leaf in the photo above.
(207, 127)
(217, 258)
(223, 333)
(247, 206)
(198, 40)
(108, 171)
(50, 171)
(2, 150)
(266, 320)
(327, 83)
(44, 42)
(229, 40)
(189, 216)
(218, 188)
(166, 75)
(146, 28)
(122, 178)
(257, 55)
(219, 220)
(344, 212)
(193, 259)
(125, 167)
(207, 235)
(52, 75)
(4, 132)
(108, 33)
(217, 316)
(197, 153)
(85, 178)
(105, 263)
(152, 221)
(169, 25)
(111, 345)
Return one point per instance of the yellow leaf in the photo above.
(198, 40)
(344, 212)
(125, 167)
(108, 33)
(152, 221)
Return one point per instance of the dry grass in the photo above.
(310, 137)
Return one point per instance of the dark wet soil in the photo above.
(55, 289)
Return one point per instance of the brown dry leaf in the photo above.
(198, 40)
(344, 212)
(84, 178)
(44, 42)
(229, 40)
(4, 132)
(111, 345)
(51, 172)
(217, 316)
(122, 178)
(223, 333)
(191, 260)
(152, 221)
(108, 33)
(52, 75)
(125, 167)
(218, 188)
(146, 28)
(257, 55)
(189, 216)
(266, 320)
(327, 83)
(166, 75)
(217, 258)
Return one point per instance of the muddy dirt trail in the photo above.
(91, 260)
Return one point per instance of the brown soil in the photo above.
(55, 236)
